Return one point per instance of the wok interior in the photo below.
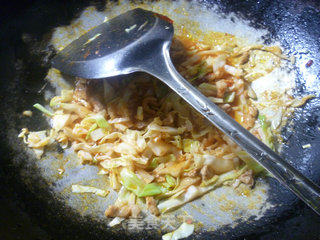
(294, 25)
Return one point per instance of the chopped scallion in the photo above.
(229, 98)
(150, 189)
(134, 184)
(157, 160)
(102, 122)
(43, 109)
(171, 181)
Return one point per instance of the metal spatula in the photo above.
(139, 40)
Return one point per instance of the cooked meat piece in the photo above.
(135, 211)
(152, 206)
(124, 211)
(112, 211)
(250, 118)
(221, 88)
(226, 107)
(206, 173)
(247, 178)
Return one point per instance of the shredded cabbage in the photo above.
(87, 189)
(251, 163)
(191, 146)
(267, 136)
(115, 221)
(131, 182)
(229, 98)
(158, 160)
(91, 129)
(59, 121)
(171, 181)
(66, 96)
(185, 230)
(150, 189)
(148, 142)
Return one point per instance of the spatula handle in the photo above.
(304, 188)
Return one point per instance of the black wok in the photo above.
(29, 211)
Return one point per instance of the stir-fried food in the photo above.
(151, 144)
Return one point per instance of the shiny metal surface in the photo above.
(139, 40)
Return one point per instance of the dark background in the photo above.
(16, 222)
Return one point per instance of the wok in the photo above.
(29, 210)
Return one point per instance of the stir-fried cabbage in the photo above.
(151, 145)
(131, 182)
(192, 192)
(87, 189)
(266, 135)
(252, 164)
(115, 221)
(185, 230)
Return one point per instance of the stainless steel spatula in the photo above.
(139, 40)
